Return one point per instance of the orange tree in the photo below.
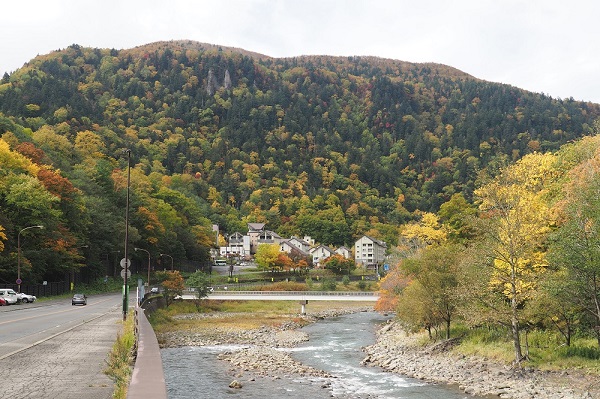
(172, 283)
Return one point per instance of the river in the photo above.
(334, 346)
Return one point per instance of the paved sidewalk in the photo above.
(69, 366)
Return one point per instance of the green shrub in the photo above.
(362, 285)
(346, 281)
(584, 352)
(328, 284)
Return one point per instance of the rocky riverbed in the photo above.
(260, 355)
(398, 352)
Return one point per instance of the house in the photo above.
(254, 231)
(238, 245)
(269, 237)
(343, 251)
(294, 252)
(369, 252)
(287, 246)
(301, 244)
(320, 253)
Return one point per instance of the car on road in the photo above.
(3, 302)
(9, 295)
(26, 297)
(79, 299)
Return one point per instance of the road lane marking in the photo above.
(56, 334)
(72, 308)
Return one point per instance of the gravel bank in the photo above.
(397, 352)
(260, 354)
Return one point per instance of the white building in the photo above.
(320, 253)
(345, 252)
(369, 252)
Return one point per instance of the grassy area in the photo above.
(232, 314)
(545, 349)
(120, 359)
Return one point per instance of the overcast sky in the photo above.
(549, 46)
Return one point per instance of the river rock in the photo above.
(235, 384)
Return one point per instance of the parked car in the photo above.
(9, 295)
(3, 302)
(26, 297)
(79, 299)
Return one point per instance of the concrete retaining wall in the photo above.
(148, 378)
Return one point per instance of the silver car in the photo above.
(79, 299)
(9, 295)
(26, 297)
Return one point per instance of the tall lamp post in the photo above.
(19, 252)
(125, 284)
(141, 249)
(171, 260)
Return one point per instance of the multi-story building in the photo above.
(369, 252)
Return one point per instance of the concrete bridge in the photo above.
(289, 296)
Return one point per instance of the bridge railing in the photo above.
(288, 293)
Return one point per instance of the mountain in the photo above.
(331, 147)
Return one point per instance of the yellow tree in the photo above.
(2, 237)
(428, 230)
(414, 238)
(266, 256)
(516, 218)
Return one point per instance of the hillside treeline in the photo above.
(525, 258)
(331, 147)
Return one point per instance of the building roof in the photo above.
(325, 248)
(256, 226)
(378, 242)
(271, 233)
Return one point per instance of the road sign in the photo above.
(123, 273)
(123, 263)
(19, 281)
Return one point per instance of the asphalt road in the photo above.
(55, 350)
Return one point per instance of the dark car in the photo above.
(79, 299)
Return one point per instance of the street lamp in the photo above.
(19, 253)
(171, 259)
(141, 249)
(125, 284)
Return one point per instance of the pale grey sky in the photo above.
(549, 46)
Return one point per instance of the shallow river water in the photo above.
(334, 346)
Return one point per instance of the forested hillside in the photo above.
(331, 147)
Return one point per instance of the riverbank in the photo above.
(258, 350)
(260, 354)
(397, 352)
